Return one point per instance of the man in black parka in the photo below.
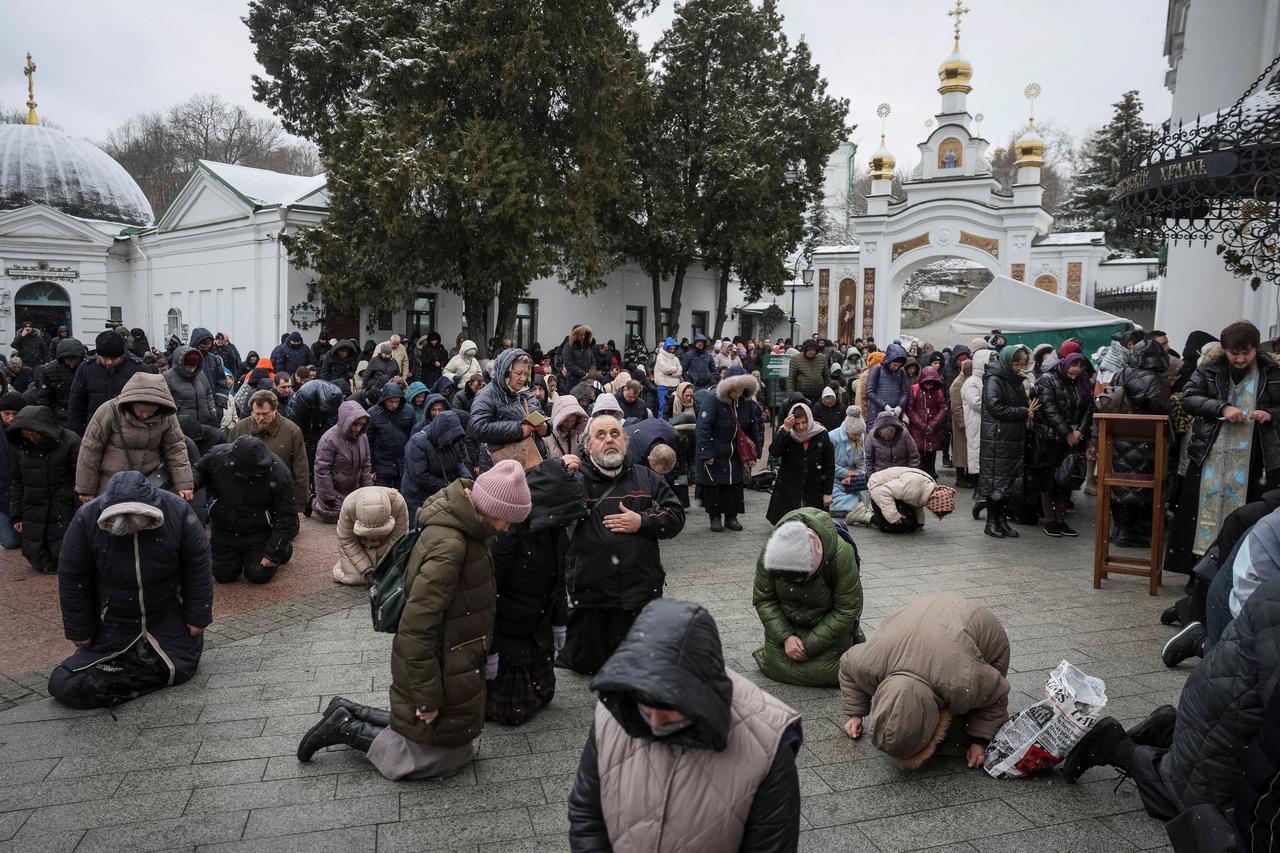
(42, 484)
(53, 387)
(136, 595)
(254, 519)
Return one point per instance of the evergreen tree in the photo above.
(1088, 208)
(473, 145)
(731, 159)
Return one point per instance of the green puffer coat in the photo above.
(823, 616)
(438, 656)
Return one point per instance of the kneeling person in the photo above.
(935, 657)
(900, 495)
(808, 594)
(371, 521)
(136, 595)
(254, 519)
(684, 754)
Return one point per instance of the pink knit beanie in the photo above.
(502, 492)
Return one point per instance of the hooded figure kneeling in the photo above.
(936, 657)
(684, 754)
(371, 520)
(136, 593)
(899, 497)
(808, 594)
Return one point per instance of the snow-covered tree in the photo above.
(473, 145)
(1089, 206)
(731, 157)
(1058, 174)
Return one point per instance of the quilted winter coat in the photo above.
(717, 461)
(823, 611)
(1222, 705)
(848, 458)
(54, 387)
(971, 400)
(497, 411)
(192, 394)
(888, 388)
(1144, 390)
(1206, 393)
(124, 443)
(446, 630)
(899, 451)
(371, 521)
(389, 433)
(1062, 408)
(433, 459)
(1004, 429)
(42, 486)
(927, 410)
(343, 463)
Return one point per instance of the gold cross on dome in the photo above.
(29, 70)
(958, 12)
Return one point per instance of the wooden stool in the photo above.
(1153, 429)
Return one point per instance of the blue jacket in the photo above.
(433, 459)
(213, 368)
(886, 388)
(419, 412)
(699, 367)
(497, 411)
(287, 357)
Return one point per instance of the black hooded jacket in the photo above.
(252, 493)
(673, 656)
(1143, 382)
(339, 365)
(1205, 395)
(314, 407)
(528, 564)
(434, 458)
(42, 486)
(54, 388)
(389, 433)
(110, 585)
(429, 360)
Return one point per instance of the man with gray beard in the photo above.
(613, 568)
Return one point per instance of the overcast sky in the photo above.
(98, 63)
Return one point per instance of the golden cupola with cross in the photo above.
(955, 72)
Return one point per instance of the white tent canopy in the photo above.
(1016, 308)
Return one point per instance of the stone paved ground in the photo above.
(210, 765)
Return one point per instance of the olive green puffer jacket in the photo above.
(824, 616)
(438, 656)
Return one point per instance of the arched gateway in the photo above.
(954, 208)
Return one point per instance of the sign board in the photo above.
(42, 271)
(775, 367)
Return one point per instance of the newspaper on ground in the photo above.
(1040, 737)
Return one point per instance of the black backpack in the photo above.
(387, 594)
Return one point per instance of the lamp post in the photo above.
(807, 276)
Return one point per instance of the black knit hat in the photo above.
(110, 344)
(11, 401)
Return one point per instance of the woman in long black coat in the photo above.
(529, 625)
(1005, 408)
(42, 496)
(1063, 423)
(136, 591)
(718, 464)
(807, 465)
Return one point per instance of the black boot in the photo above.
(1127, 535)
(1157, 729)
(338, 728)
(377, 716)
(1002, 518)
(1170, 616)
(731, 523)
(1187, 643)
(1106, 744)
(716, 526)
(993, 527)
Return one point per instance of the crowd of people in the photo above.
(533, 490)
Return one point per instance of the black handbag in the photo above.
(1070, 472)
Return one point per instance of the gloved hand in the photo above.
(559, 636)
(491, 668)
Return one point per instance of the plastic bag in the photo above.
(1040, 737)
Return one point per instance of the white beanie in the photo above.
(828, 392)
(606, 402)
(793, 548)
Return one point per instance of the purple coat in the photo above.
(900, 451)
(343, 464)
(927, 411)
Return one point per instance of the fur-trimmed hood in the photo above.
(748, 383)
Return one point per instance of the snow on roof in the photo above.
(262, 186)
(1071, 238)
(1115, 262)
(1151, 285)
(837, 250)
(1254, 112)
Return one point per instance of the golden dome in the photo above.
(1029, 148)
(882, 163)
(954, 73)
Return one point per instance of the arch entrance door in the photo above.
(44, 305)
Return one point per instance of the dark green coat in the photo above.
(823, 616)
(438, 656)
